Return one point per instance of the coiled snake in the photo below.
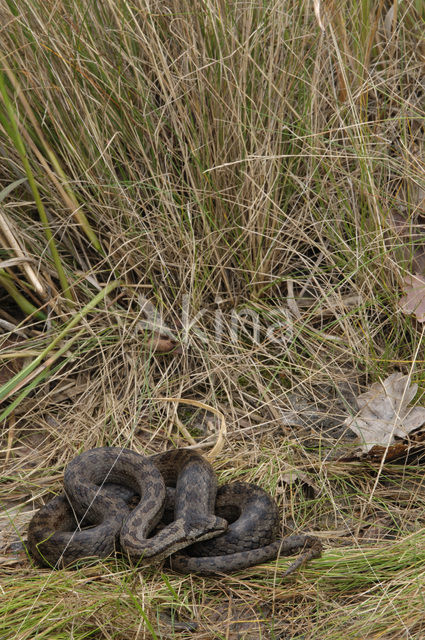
(94, 515)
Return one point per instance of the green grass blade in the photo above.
(7, 388)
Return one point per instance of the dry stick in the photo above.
(14, 244)
(314, 550)
(13, 328)
(14, 262)
(184, 431)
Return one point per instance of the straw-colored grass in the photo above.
(233, 177)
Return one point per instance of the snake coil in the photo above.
(221, 531)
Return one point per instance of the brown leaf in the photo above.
(384, 412)
(414, 300)
(398, 451)
(161, 343)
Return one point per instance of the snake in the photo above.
(250, 539)
(54, 538)
(180, 514)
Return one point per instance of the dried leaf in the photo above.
(161, 343)
(414, 300)
(384, 412)
(411, 231)
(389, 22)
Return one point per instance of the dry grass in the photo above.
(213, 159)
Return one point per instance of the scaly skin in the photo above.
(54, 536)
(101, 482)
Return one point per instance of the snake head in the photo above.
(205, 527)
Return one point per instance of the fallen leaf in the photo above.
(384, 412)
(414, 300)
(161, 343)
(397, 452)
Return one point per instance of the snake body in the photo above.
(55, 534)
(100, 484)
(250, 539)
(194, 518)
